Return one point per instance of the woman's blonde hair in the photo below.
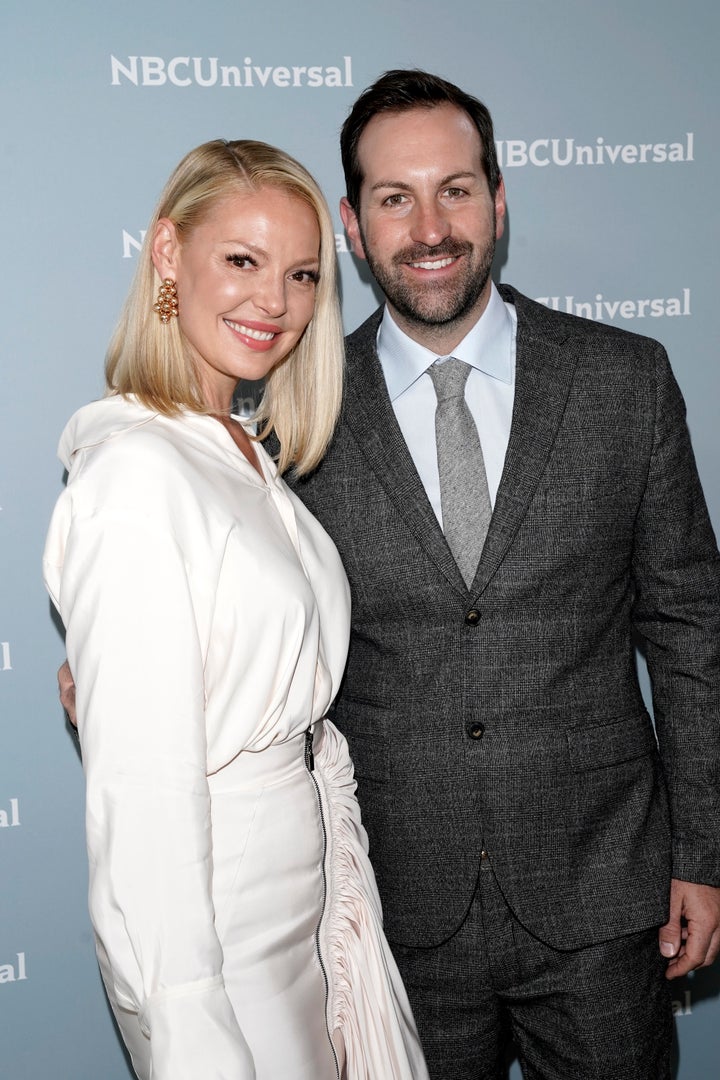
(151, 359)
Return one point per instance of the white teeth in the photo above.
(436, 264)
(258, 335)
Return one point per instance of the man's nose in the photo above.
(430, 224)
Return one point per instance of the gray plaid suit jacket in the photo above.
(509, 716)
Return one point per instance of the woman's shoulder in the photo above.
(119, 453)
(99, 424)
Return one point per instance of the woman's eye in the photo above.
(309, 277)
(241, 261)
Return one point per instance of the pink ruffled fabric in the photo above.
(367, 1003)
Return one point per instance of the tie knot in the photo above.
(449, 378)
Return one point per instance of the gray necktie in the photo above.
(464, 495)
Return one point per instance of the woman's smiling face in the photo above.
(245, 277)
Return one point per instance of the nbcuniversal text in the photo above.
(10, 814)
(516, 153)
(16, 971)
(602, 310)
(206, 71)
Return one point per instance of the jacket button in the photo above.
(473, 617)
(475, 729)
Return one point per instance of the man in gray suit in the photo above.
(529, 828)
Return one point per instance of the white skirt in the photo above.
(306, 965)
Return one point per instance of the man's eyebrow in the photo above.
(401, 185)
(391, 184)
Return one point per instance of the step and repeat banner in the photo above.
(606, 119)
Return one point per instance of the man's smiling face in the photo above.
(427, 223)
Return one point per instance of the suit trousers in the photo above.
(599, 1013)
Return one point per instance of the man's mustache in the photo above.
(421, 252)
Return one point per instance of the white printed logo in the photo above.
(682, 1006)
(603, 310)
(207, 71)
(15, 972)
(5, 664)
(515, 153)
(10, 818)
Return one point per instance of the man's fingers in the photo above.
(671, 935)
(698, 952)
(670, 938)
(699, 943)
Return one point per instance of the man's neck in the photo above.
(441, 338)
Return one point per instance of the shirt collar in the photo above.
(488, 346)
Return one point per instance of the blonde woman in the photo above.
(237, 922)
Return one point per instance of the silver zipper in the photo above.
(310, 766)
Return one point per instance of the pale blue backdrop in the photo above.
(607, 121)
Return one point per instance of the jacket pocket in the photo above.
(364, 724)
(623, 739)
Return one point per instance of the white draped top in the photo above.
(207, 613)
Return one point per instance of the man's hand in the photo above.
(696, 942)
(66, 686)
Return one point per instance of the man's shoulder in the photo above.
(364, 337)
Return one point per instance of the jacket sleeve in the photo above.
(676, 570)
(133, 646)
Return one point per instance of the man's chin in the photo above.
(432, 313)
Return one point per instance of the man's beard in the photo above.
(436, 303)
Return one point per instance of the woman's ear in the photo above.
(165, 249)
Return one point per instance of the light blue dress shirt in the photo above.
(489, 349)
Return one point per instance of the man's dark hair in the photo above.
(399, 91)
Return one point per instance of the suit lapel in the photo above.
(544, 372)
(369, 415)
(543, 379)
